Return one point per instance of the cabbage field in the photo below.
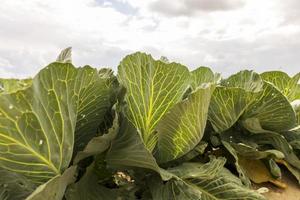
(151, 130)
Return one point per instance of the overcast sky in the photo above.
(226, 35)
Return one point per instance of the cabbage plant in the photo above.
(154, 130)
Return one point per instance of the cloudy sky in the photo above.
(227, 35)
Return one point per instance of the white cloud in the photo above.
(190, 7)
(228, 36)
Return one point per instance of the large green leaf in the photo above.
(197, 151)
(90, 187)
(224, 186)
(100, 143)
(229, 101)
(182, 128)
(262, 144)
(247, 80)
(37, 124)
(245, 146)
(173, 189)
(272, 109)
(14, 186)
(220, 186)
(278, 141)
(203, 75)
(242, 147)
(55, 188)
(128, 150)
(12, 85)
(153, 87)
(289, 86)
(293, 138)
(241, 172)
(255, 154)
(247, 96)
(226, 107)
(95, 92)
(199, 170)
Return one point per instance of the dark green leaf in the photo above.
(128, 150)
(173, 189)
(225, 186)
(240, 170)
(278, 141)
(272, 109)
(199, 170)
(182, 128)
(37, 124)
(89, 187)
(99, 144)
(14, 186)
(55, 188)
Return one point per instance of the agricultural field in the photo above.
(152, 130)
